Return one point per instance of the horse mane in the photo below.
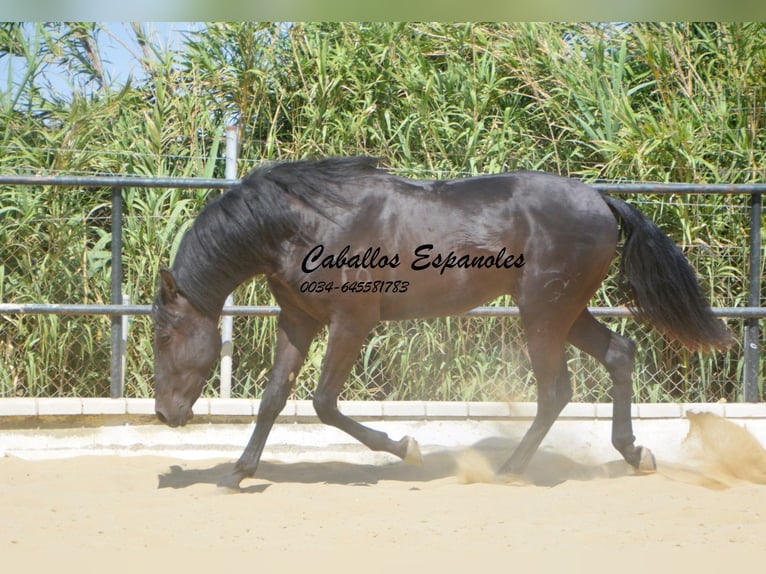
(317, 184)
(307, 180)
(243, 229)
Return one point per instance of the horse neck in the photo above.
(237, 236)
(206, 280)
(206, 289)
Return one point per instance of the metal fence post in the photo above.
(227, 322)
(116, 374)
(124, 346)
(752, 332)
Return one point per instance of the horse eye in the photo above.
(163, 339)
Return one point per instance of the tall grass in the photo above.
(641, 102)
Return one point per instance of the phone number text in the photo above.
(355, 287)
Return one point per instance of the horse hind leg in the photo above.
(617, 354)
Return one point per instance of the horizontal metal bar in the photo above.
(202, 183)
(118, 181)
(733, 312)
(75, 309)
(670, 188)
(265, 311)
(72, 309)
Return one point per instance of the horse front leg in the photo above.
(293, 340)
(344, 343)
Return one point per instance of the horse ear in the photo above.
(168, 288)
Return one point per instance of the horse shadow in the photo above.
(478, 463)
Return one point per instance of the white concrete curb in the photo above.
(67, 427)
(400, 410)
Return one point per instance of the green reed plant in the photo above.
(634, 102)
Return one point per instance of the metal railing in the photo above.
(752, 313)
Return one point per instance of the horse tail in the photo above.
(662, 284)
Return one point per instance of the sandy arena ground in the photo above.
(706, 513)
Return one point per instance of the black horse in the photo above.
(345, 244)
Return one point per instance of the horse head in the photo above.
(186, 347)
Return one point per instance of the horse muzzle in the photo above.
(177, 417)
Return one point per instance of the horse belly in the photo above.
(434, 295)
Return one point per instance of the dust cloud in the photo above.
(718, 454)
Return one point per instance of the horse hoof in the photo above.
(220, 489)
(229, 485)
(413, 455)
(646, 462)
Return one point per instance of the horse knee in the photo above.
(552, 399)
(273, 401)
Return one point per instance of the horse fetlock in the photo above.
(624, 443)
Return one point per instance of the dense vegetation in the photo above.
(640, 102)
